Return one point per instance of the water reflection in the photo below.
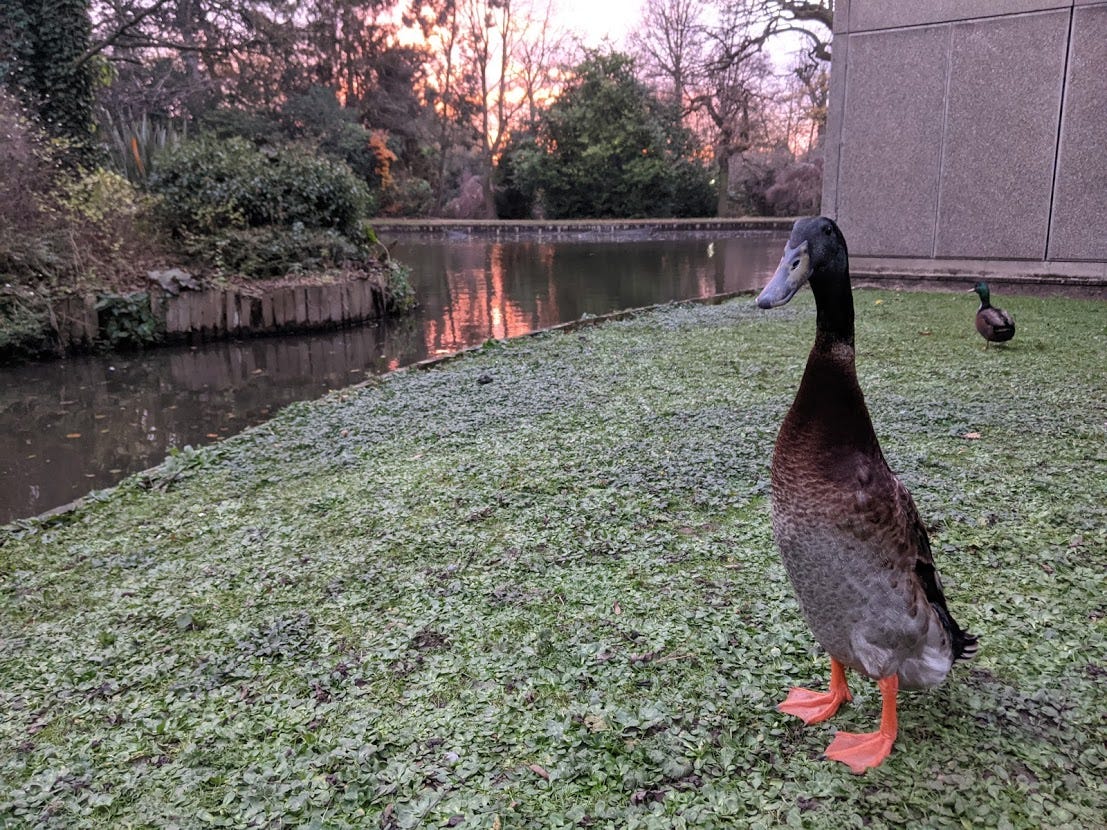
(71, 426)
(474, 289)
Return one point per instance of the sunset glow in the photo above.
(611, 19)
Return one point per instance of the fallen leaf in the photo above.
(618, 609)
(73, 435)
(539, 771)
(595, 723)
(972, 436)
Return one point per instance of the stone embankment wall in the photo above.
(571, 228)
(218, 313)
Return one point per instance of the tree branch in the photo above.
(118, 34)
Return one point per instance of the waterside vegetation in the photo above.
(536, 587)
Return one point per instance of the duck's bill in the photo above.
(794, 270)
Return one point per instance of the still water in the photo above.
(84, 423)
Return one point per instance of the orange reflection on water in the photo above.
(480, 306)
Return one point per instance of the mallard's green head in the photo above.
(981, 288)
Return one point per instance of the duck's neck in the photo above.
(829, 404)
(834, 310)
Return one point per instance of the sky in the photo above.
(595, 19)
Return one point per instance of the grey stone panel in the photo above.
(841, 17)
(868, 15)
(1079, 222)
(832, 141)
(891, 139)
(1000, 138)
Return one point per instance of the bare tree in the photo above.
(491, 35)
(731, 87)
(441, 26)
(813, 19)
(668, 44)
(540, 53)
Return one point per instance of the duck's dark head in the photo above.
(981, 289)
(816, 251)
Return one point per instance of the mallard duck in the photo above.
(853, 544)
(994, 324)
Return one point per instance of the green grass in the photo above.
(552, 599)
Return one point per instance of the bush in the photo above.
(209, 185)
(126, 320)
(400, 294)
(776, 183)
(61, 227)
(797, 189)
(261, 253)
(132, 145)
(101, 196)
(24, 325)
(613, 150)
(408, 196)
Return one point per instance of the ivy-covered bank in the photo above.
(144, 318)
(535, 587)
(92, 257)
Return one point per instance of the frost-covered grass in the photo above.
(536, 588)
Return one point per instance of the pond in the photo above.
(83, 423)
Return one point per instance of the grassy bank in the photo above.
(536, 587)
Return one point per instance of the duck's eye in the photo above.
(826, 230)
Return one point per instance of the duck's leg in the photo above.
(815, 707)
(868, 749)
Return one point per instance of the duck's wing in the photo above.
(890, 526)
(997, 318)
(926, 574)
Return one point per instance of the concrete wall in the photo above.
(970, 136)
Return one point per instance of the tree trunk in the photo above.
(722, 181)
(489, 194)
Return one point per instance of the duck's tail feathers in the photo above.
(965, 645)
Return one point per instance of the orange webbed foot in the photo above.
(812, 707)
(815, 707)
(862, 751)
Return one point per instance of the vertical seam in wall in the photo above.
(841, 127)
(1060, 124)
(942, 145)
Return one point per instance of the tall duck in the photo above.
(994, 324)
(853, 544)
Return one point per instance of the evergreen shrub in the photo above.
(209, 185)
